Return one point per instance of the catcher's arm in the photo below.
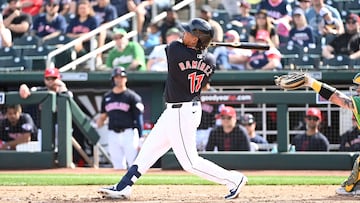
(297, 80)
(330, 93)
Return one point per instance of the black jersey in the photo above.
(123, 109)
(25, 124)
(186, 77)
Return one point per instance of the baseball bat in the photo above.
(242, 45)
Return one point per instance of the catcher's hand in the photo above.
(291, 81)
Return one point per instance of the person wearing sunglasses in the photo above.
(312, 139)
(345, 44)
(52, 81)
(229, 136)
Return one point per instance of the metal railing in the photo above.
(91, 35)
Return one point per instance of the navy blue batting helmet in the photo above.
(118, 71)
(201, 29)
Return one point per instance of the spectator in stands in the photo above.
(248, 121)
(313, 15)
(157, 60)
(208, 120)
(5, 35)
(350, 140)
(65, 7)
(52, 83)
(230, 7)
(171, 20)
(83, 23)
(305, 5)
(152, 37)
(263, 22)
(329, 25)
(229, 58)
(16, 128)
(15, 20)
(312, 139)
(127, 54)
(279, 12)
(31, 7)
(206, 14)
(341, 44)
(264, 60)
(301, 33)
(143, 13)
(244, 18)
(121, 6)
(104, 12)
(49, 24)
(229, 136)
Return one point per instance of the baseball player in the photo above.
(351, 185)
(124, 109)
(16, 128)
(189, 68)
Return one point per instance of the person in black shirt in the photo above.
(312, 139)
(350, 140)
(229, 136)
(16, 128)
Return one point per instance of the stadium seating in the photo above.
(222, 17)
(305, 62)
(289, 53)
(338, 62)
(352, 6)
(26, 42)
(36, 58)
(8, 53)
(15, 64)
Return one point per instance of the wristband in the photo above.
(326, 91)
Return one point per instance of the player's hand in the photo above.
(60, 86)
(24, 91)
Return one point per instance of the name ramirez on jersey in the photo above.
(199, 65)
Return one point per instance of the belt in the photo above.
(118, 130)
(179, 105)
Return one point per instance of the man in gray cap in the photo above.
(248, 121)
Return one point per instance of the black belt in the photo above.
(118, 130)
(176, 106)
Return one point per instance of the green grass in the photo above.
(91, 179)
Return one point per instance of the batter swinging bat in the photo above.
(242, 45)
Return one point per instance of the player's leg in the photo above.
(156, 144)
(184, 146)
(116, 150)
(130, 145)
(351, 185)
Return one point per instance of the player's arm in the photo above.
(101, 120)
(21, 138)
(329, 93)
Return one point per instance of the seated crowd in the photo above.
(315, 30)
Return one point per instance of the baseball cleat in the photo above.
(342, 191)
(112, 193)
(234, 193)
(351, 183)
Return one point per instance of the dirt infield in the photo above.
(176, 193)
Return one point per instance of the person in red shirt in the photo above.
(31, 7)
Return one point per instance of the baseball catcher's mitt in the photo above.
(291, 81)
